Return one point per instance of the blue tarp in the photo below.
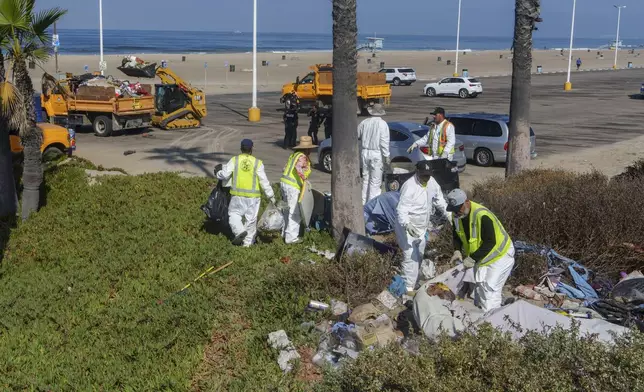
(578, 272)
(380, 213)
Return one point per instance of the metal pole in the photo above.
(619, 14)
(100, 33)
(56, 51)
(572, 30)
(254, 54)
(458, 37)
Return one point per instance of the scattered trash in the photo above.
(363, 312)
(129, 152)
(339, 308)
(427, 269)
(327, 254)
(318, 305)
(307, 326)
(397, 286)
(279, 341)
(285, 260)
(528, 292)
(147, 135)
(388, 300)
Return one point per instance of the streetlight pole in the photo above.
(458, 37)
(619, 14)
(568, 85)
(254, 114)
(100, 34)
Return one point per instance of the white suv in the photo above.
(399, 76)
(463, 87)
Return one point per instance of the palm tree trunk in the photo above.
(345, 180)
(32, 174)
(526, 13)
(8, 196)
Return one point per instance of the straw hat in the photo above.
(305, 143)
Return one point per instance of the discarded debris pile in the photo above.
(135, 67)
(90, 86)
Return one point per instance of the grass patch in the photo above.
(81, 280)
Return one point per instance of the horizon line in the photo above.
(311, 34)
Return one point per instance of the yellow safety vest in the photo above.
(290, 176)
(442, 141)
(503, 241)
(245, 180)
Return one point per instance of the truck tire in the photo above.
(102, 126)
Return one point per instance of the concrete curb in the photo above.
(500, 75)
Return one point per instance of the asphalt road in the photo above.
(598, 111)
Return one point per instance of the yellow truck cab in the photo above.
(56, 141)
(316, 87)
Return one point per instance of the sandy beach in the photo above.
(284, 67)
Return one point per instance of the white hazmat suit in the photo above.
(489, 281)
(292, 216)
(242, 211)
(373, 134)
(416, 207)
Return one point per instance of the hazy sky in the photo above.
(595, 18)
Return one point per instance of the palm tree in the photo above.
(11, 117)
(526, 14)
(345, 181)
(25, 39)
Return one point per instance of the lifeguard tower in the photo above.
(373, 44)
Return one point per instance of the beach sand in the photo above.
(284, 67)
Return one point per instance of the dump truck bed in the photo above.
(370, 85)
(103, 99)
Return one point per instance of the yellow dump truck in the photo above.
(66, 103)
(317, 88)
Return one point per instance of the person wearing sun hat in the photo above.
(481, 243)
(296, 172)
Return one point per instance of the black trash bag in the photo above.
(216, 208)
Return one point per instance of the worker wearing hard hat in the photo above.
(296, 172)
(440, 140)
(246, 175)
(481, 243)
(373, 135)
(421, 207)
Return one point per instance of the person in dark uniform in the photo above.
(328, 123)
(290, 126)
(314, 123)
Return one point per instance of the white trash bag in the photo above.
(428, 269)
(272, 219)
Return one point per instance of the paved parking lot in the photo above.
(597, 113)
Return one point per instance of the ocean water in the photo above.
(147, 41)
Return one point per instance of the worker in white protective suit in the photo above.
(373, 135)
(245, 175)
(439, 142)
(481, 243)
(296, 172)
(421, 207)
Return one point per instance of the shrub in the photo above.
(583, 216)
(559, 360)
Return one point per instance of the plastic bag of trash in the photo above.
(272, 219)
(216, 207)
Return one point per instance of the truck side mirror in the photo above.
(297, 80)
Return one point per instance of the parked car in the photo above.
(485, 136)
(398, 76)
(462, 87)
(401, 136)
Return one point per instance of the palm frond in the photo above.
(11, 106)
(15, 15)
(43, 20)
